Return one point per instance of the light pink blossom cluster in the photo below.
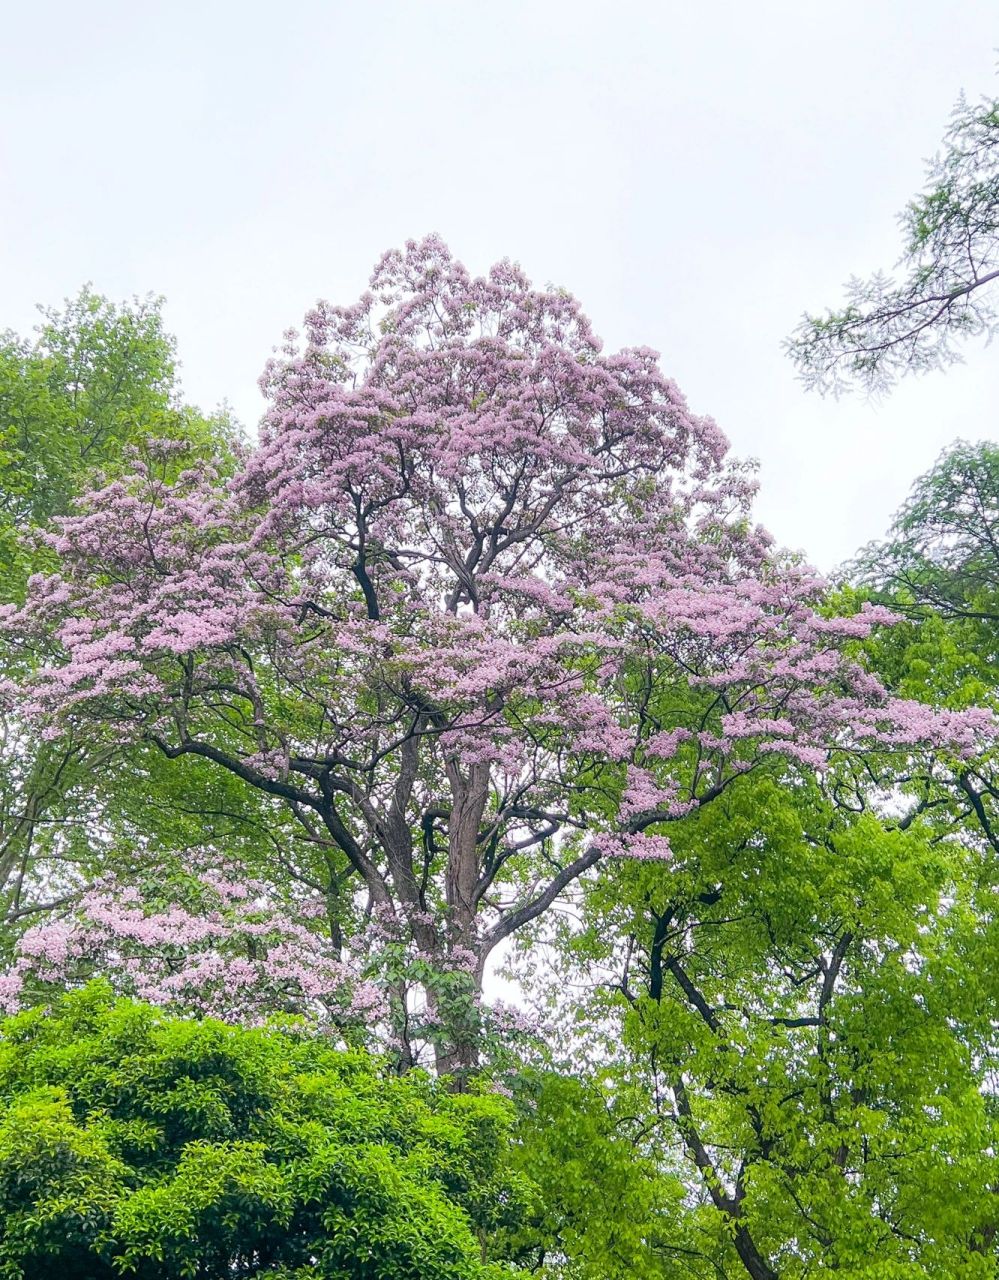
(235, 954)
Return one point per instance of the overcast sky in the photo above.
(697, 174)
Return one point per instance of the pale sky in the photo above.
(698, 175)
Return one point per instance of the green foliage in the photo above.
(806, 1011)
(95, 379)
(783, 1062)
(950, 231)
(939, 569)
(942, 552)
(602, 1209)
(137, 1144)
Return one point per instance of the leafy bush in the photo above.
(133, 1143)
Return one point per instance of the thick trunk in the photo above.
(457, 1065)
(456, 1049)
(458, 1054)
(468, 802)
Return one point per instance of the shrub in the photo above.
(135, 1143)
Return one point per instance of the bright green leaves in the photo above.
(600, 1201)
(807, 1037)
(135, 1144)
(95, 378)
(221, 1198)
(59, 1186)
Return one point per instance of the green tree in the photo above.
(136, 1144)
(939, 568)
(603, 1207)
(950, 259)
(806, 997)
(807, 1020)
(94, 381)
(942, 551)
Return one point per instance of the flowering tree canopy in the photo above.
(212, 940)
(94, 380)
(484, 606)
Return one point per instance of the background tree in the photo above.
(939, 567)
(806, 995)
(807, 1022)
(94, 383)
(950, 259)
(942, 551)
(93, 380)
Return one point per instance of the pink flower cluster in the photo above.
(234, 953)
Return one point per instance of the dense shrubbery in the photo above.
(136, 1143)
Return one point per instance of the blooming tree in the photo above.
(94, 379)
(484, 607)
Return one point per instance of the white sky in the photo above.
(697, 174)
